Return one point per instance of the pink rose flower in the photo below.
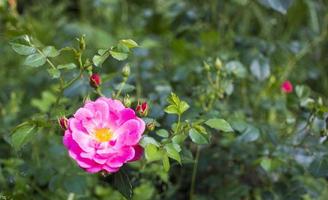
(287, 87)
(103, 135)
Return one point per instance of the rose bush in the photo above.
(209, 99)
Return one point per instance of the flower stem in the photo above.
(194, 173)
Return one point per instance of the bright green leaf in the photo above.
(129, 43)
(152, 153)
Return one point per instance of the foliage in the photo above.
(219, 126)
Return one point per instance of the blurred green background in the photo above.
(283, 155)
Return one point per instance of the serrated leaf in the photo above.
(219, 124)
(22, 49)
(50, 51)
(22, 134)
(67, 66)
(198, 137)
(35, 60)
(129, 43)
(172, 152)
(122, 184)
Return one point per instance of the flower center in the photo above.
(103, 134)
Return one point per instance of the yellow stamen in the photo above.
(103, 134)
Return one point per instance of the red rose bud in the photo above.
(142, 109)
(287, 87)
(95, 80)
(63, 122)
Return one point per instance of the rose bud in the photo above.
(287, 87)
(142, 109)
(151, 126)
(126, 71)
(127, 101)
(95, 80)
(63, 122)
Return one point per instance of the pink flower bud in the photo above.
(63, 122)
(142, 109)
(95, 80)
(287, 87)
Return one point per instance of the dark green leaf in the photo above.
(163, 133)
(319, 166)
(122, 184)
(197, 137)
(22, 134)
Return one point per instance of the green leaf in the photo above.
(219, 124)
(319, 166)
(163, 133)
(22, 49)
(152, 153)
(119, 55)
(50, 51)
(236, 68)
(266, 164)
(277, 5)
(54, 73)
(101, 57)
(22, 134)
(183, 107)
(171, 109)
(148, 140)
(179, 138)
(122, 184)
(198, 137)
(67, 66)
(129, 43)
(35, 60)
(166, 163)
(260, 68)
(176, 105)
(172, 152)
(250, 134)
